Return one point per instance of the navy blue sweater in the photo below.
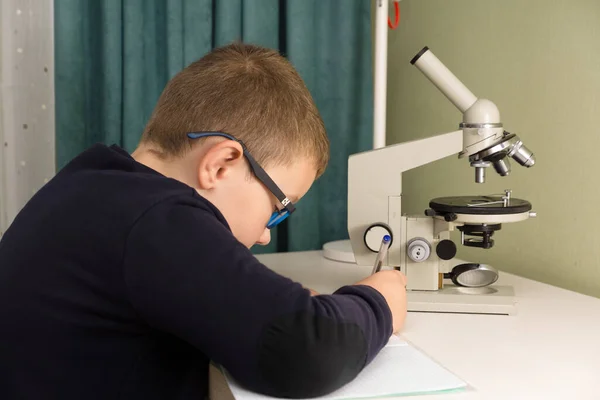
(117, 282)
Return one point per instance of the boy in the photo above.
(125, 275)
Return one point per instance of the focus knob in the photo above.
(374, 235)
(419, 250)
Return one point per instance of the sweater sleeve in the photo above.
(188, 276)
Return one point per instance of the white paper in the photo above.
(398, 370)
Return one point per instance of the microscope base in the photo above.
(455, 299)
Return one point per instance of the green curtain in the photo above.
(113, 58)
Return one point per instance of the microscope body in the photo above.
(421, 246)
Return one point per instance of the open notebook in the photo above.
(398, 370)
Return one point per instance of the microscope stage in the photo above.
(480, 205)
(480, 209)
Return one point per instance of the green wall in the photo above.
(539, 62)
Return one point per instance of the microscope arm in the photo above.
(375, 186)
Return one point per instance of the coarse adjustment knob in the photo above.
(374, 235)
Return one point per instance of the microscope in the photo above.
(420, 245)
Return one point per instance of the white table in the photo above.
(549, 350)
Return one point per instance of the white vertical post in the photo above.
(27, 150)
(380, 78)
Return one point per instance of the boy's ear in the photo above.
(219, 162)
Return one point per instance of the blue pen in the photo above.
(383, 249)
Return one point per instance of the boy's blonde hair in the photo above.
(249, 92)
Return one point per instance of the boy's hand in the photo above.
(392, 286)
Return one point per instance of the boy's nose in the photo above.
(265, 238)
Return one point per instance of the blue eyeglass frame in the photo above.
(287, 207)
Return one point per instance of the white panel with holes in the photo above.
(27, 159)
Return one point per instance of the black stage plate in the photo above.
(459, 205)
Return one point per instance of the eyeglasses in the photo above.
(286, 205)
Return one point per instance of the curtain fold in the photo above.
(114, 57)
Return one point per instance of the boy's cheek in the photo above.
(264, 238)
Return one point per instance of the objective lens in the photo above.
(502, 166)
(522, 155)
(479, 175)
